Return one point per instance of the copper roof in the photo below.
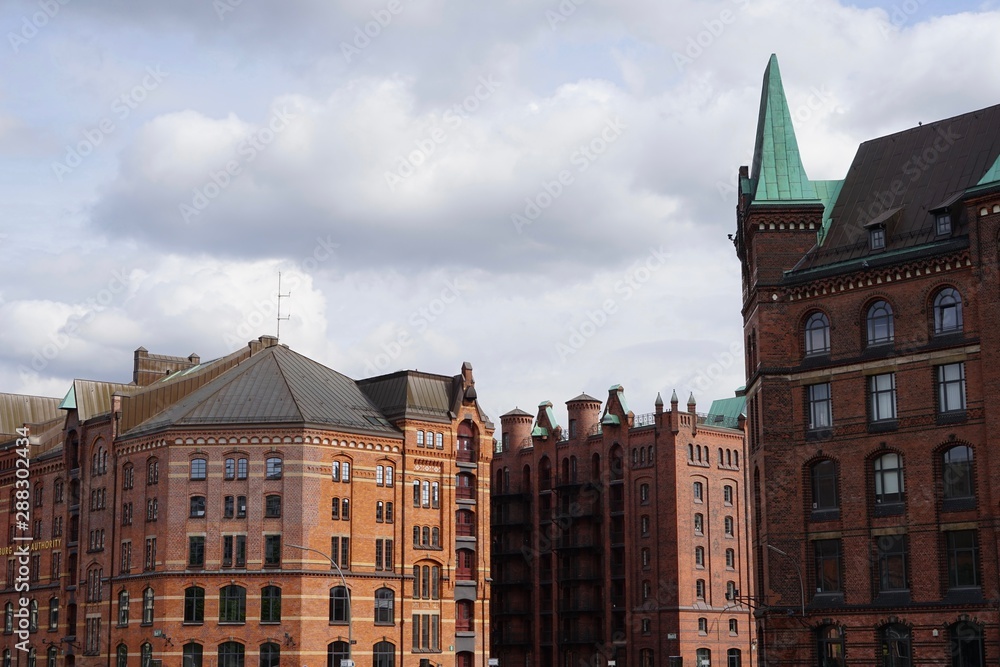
(16, 410)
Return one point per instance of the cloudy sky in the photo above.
(541, 187)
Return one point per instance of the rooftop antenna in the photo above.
(280, 297)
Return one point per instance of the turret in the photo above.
(584, 414)
(516, 426)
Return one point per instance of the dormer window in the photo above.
(876, 238)
(942, 224)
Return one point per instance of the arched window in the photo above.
(699, 556)
(6, 657)
(830, 644)
(464, 616)
(699, 491)
(340, 605)
(703, 657)
(595, 467)
(230, 469)
(53, 613)
(466, 446)
(385, 604)
(734, 658)
(383, 655)
(33, 616)
(895, 646)
(273, 468)
(947, 311)
(232, 604)
(956, 473)
(966, 640)
(51, 657)
(464, 659)
(336, 652)
(231, 654)
(192, 655)
(8, 617)
(465, 486)
(194, 604)
(824, 486)
(146, 655)
(646, 658)
(465, 568)
(889, 483)
(199, 469)
(152, 471)
(270, 604)
(59, 486)
(122, 653)
(148, 600)
(123, 608)
(465, 523)
(617, 464)
(270, 655)
(544, 474)
(881, 329)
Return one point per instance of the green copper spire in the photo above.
(777, 173)
(993, 175)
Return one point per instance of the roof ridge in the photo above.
(288, 386)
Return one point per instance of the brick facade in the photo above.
(871, 447)
(178, 538)
(595, 538)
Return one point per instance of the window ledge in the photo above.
(883, 426)
(819, 433)
(825, 515)
(952, 417)
(889, 509)
(958, 504)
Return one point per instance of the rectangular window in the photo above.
(882, 392)
(877, 237)
(335, 508)
(227, 550)
(126, 557)
(340, 550)
(379, 476)
(241, 507)
(416, 493)
(439, 440)
(426, 632)
(388, 512)
(891, 551)
(435, 495)
(272, 507)
(420, 438)
(425, 496)
(272, 551)
(335, 468)
(149, 561)
(241, 469)
(388, 476)
(951, 387)
(241, 551)
(963, 557)
(229, 507)
(820, 406)
(93, 641)
(379, 512)
(942, 223)
(196, 551)
(827, 566)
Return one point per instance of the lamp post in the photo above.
(798, 572)
(347, 592)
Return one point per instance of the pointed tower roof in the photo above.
(777, 173)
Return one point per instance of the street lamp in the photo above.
(347, 592)
(798, 572)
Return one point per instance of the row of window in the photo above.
(430, 439)
(894, 647)
(699, 558)
(698, 490)
(727, 458)
(728, 523)
(700, 590)
(891, 556)
(8, 616)
(954, 466)
(233, 551)
(949, 378)
(880, 322)
(734, 627)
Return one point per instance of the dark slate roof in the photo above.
(276, 386)
(584, 397)
(517, 412)
(900, 179)
(414, 395)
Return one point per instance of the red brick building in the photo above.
(171, 515)
(871, 309)
(620, 538)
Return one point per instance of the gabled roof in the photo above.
(777, 174)
(92, 398)
(275, 386)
